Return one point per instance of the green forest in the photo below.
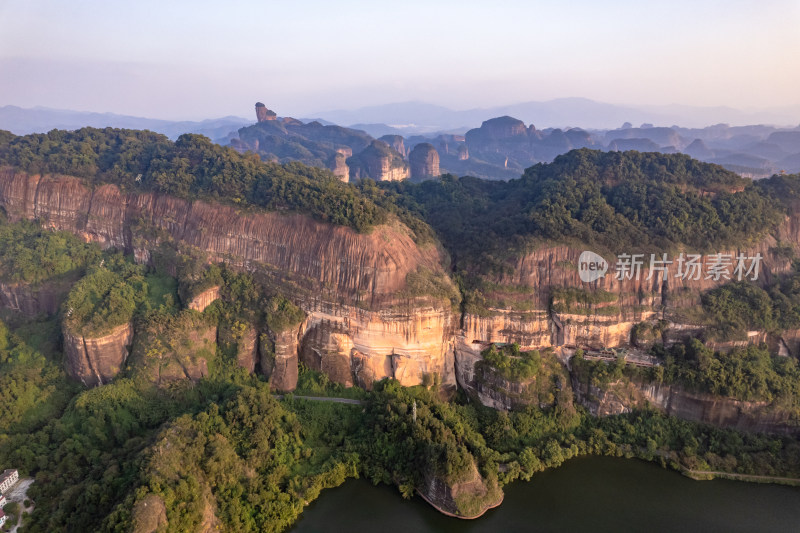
(610, 200)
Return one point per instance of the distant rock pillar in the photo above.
(263, 114)
(424, 161)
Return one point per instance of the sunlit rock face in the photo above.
(357, 347)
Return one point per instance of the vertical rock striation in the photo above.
(424, 161)
(96, 360)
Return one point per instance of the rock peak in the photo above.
(263, 114)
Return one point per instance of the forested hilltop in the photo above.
(617, 201)
(186, 433)
(191, 167)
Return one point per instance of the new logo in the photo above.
(591, 266)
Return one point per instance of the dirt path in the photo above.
(324, 399)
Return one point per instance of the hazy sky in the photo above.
(202, 59)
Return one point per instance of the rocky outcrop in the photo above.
(397, 142)
(31, 300)
(204, 299)
(263, 114)
(96, 360)
(288, 140)
(247, 349)
(349, 283)
(624, 396)
(499, 128)
(379, 162)
(356, 347)
(463, 152)
(180, 350)
(279, 356)
(240, 339)
(149, 515)
(337, 163)
(424, 162)
(548, 387)
(466, 498)
(532, 281)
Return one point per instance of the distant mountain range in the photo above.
(42, 119)
(501, 148)
(420, 117)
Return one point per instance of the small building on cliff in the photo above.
(8, 479)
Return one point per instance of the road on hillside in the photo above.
(323, 399)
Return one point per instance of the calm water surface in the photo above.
(585, 494)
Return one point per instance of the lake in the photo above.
(584, 494)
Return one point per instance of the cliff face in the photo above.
(397, 142)
(33, 300)
(337, 163)
(263, 114)
(330, 261)
(532, 282)
(358, 329)
(204, 299)
(347, 282)
(357, 347)
(279, 355)
(549, 386)
(623, 396)
(379, 162)
(96, 360)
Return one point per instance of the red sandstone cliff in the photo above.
(96, 360)
(348, 283)
(330, 261)
(424, 162)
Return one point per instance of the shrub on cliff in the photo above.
(750, 374)
(737, 307)
(112, 293)
(511, 363)
(282, 314)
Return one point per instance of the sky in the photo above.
(204, 59)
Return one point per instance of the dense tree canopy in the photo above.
(618, 201)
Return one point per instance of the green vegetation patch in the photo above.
(511, 363)
(33, 388)
(616, 201)
(282, 314)
(30, 254)
(750, 374)
(112, 293)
